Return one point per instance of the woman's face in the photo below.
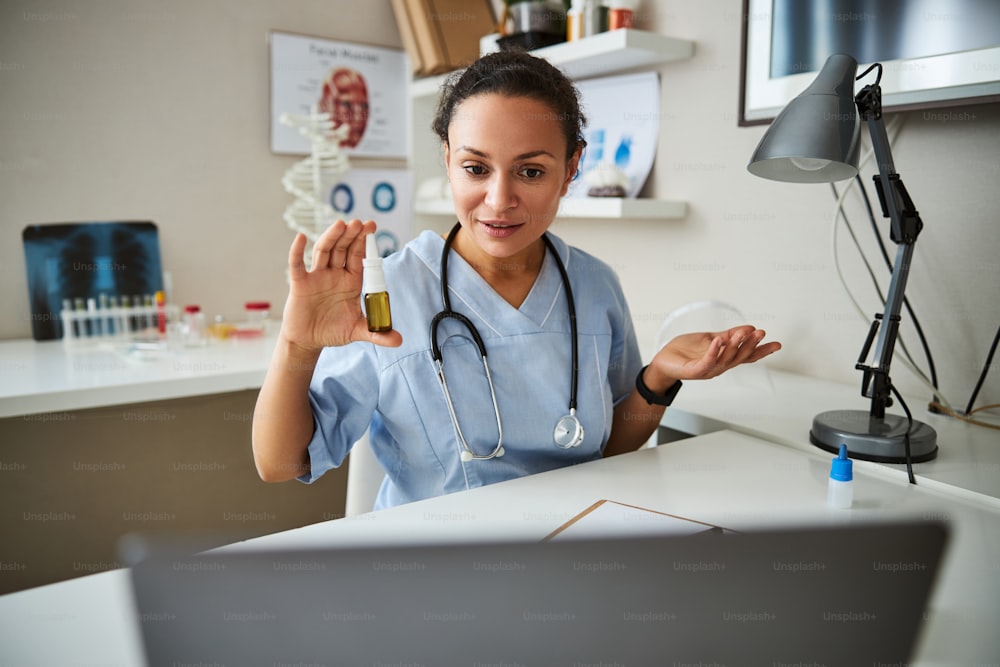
(506, 162)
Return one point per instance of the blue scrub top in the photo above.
(395, 392)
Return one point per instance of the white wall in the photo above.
(146, 110)
(142, 110)
(766, 246)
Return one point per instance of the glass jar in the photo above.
(257, 316)
(621, 13)
(194, 326)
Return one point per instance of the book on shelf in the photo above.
(425, 36)
(460, 24)
(405, 25)
(442, 35)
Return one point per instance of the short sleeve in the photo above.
(343, 394)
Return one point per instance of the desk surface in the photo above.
(725, 478)
(779, 407)
(44, 377)
(39, 378)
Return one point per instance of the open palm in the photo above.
(700, 356)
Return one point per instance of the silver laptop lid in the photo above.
(828, 596)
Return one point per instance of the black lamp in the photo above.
(815, 139)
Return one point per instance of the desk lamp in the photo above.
(815, 139)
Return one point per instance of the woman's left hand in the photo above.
(700, 356)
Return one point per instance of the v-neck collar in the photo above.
(473, 296)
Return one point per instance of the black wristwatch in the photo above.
(654, 398)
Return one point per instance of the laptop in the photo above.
(830, 596)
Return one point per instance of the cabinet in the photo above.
(600, 55)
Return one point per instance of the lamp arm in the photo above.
(905, 225)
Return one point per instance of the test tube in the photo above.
(66, 318)
(114, 318)
(79, 324)
(102, 305)
(137, 323)
(149, 316)
(93, 321)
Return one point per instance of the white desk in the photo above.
(43, 377)
(779, 407)
(169, 431)
(729, 479)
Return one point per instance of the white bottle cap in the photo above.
(374, 278)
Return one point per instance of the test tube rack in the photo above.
(115, 324)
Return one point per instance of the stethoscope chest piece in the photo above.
(569, 432)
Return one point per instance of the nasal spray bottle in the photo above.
(840, 489)
(376, 293)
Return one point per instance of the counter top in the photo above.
(779, 406)
(39, 378)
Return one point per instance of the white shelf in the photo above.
(620, 207)
(604, 53)
(615, 51)
(590, 207)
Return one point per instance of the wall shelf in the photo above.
(619, 207)
(604, 53)
(615, 51)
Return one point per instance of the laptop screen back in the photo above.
(829, 596)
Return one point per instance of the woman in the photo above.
(510, 127)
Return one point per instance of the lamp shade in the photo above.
(816, 137)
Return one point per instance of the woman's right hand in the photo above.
(323, 308)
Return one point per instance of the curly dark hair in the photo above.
(514, 74)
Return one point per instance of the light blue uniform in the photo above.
(397, 391)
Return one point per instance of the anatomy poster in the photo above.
(361, 86)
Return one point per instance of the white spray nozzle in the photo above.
(374, 279)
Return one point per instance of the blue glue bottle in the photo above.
(840, 488)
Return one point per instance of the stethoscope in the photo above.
(569, 430)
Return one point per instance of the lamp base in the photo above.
(870, 439)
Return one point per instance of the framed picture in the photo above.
(935, 53)
(619, 136)
(362, 86)
(78, 263)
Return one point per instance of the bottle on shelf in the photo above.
(585, 18)
(621, 13)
